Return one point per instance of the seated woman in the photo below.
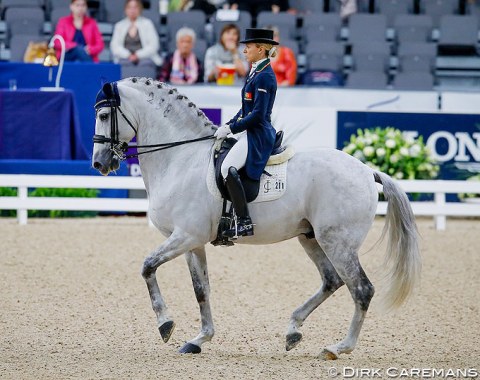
(83, 41)
(182, 66)
(226, 51)
(135, 40)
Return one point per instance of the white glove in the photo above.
(222, 132)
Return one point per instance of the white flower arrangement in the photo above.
(387, 150)
(469, 196)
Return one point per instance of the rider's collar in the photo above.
(258, 63)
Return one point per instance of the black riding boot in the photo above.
(237, 194)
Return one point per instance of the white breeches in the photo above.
(237, 157)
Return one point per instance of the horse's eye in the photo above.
(104, 116)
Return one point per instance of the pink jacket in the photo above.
(66, 29)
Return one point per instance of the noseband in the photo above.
(119, 148)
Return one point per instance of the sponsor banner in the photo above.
(454, 139)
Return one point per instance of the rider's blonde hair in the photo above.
(268, 48)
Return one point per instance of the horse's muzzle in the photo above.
(105, 163)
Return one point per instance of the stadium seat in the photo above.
(371, 61)
(438, 8)
(392, 8)
(458, 35)
(114, 11)
(374, 80)
(324, 55)
(292, 44)
(416, 81)
(416, 63)
(417, 56)
(367, 28)
(152, 15)
(19, 43)
(307, 6)
(321, 27)
(22, 3)
(28, 20)
(285, 22)
(325, 61)
(194, 19)
(105, 55)
(413, 28)
(56, 14)
(5, 4)
(373, 56)
(139, 71)
(200, 49)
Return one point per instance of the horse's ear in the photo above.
(108, 90)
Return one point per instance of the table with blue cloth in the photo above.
(40, 133)
(40, 125)
(83, 79)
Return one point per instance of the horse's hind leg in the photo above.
(330, 283)
(347, 265)
(197, 263)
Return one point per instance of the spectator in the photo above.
(182, 66)
(347, 8)
(284, 64)
(254, 7)
(178, 5)
(226, 51)
(83, 41)
(135, 40)
(207, 6)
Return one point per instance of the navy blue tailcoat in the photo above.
(258, 95)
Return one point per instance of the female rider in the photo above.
(251, 125)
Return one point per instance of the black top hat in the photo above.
(259, 35)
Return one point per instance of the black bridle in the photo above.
(119, 148)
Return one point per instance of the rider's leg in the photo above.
(237, 195)
(235, 160)
(237, 157)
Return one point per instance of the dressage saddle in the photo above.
(250, 186)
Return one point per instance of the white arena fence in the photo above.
(439, 208)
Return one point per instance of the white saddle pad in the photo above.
(271, 187)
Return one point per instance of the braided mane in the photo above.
(149, 84)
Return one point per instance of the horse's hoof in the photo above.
(328, 355)
(293, 340)
(166, 330)
(189, 348)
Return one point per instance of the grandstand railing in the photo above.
(439, 208)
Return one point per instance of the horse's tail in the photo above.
(403, 255)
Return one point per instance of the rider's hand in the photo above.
(222, 132)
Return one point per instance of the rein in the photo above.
(119, 148)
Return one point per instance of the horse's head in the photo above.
(112, 133)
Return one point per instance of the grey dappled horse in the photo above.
(329, 205)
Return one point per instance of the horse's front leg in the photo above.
(178, 243)
(197, 263)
